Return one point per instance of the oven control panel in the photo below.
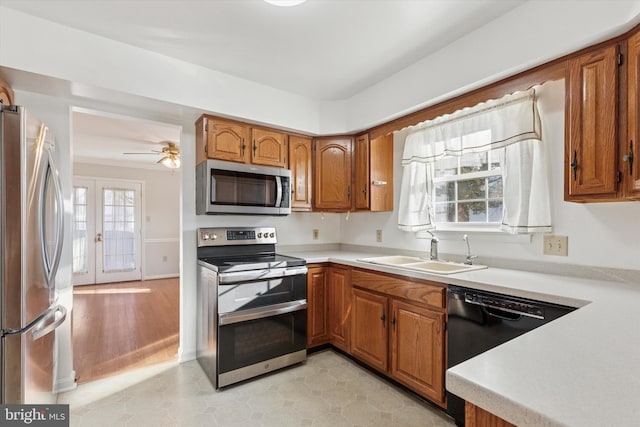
(236, 236)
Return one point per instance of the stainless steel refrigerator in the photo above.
(31, 232)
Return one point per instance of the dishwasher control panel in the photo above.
(504, 303)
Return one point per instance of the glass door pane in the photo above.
(80, 236)
(119, 225)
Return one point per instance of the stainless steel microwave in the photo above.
(237, 188)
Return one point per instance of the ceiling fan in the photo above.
(170, 155)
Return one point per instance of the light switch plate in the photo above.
(315, 234)
(379, 236)
(556, 245)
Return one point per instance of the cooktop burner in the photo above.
(254, 262)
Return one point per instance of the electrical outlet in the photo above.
(315, 234)
(379, 236)
(164, 258)
(556, 245)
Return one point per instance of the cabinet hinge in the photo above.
(620, 59)
(619, 177)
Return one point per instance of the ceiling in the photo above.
(106, 137)
(322, 49)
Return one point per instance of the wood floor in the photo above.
(120, 326)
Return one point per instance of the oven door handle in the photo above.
(253, 314)
(270, 273)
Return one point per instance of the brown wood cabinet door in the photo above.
(370, 330)
(361, 173)
(591, 113)
(227, 141)
(339, 307)
(475, 416)
(6, 93)
(381, 174)
(317, 321)
(631, 157)
(300, 158)
(332, 178)
(268, 148)
(417, 349)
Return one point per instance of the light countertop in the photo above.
(580, 370)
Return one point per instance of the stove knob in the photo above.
(214, 236)
(259, 235)
(205, 237)
(272, 235)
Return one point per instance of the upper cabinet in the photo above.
(300, 159)
(332, 173)
(373, 175)
(601, 143)
(630, 146)
(238, 142)
(591, 128)
(269, 148)
(6, 93)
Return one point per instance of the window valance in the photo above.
(486, 126)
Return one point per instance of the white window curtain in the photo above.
(513, 123)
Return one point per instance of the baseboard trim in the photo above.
(186, 356)
(161, 276)
(66, 384)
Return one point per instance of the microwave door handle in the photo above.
(278, 191)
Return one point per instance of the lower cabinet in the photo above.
(370, 333)
(394, 325)
(394, 332)
(317, 306)
(339, 285)
(475, 416)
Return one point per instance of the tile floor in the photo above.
(327, 390)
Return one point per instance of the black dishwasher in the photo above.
(479, 321)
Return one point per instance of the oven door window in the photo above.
(243, 189)
(246, 343)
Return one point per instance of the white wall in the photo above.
(600, 235)
(161, 213)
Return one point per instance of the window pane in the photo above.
(445, 212)
(119, 226)
(494, 156)
(80, 238)
(445, 191)
(495, 187)
(471, 189)
(473, 162)
(446, 167)
(472, 212)
(495, 210)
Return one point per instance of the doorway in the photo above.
(107, 231)
(126, 243)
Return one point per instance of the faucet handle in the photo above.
(470, 258)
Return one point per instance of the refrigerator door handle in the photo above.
(31, 325)
(51, 263)
(43, 327)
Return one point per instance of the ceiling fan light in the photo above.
(285, 3)
(171, 162)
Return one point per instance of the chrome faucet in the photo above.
(470, 258)
(434, 246)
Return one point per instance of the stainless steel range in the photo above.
(252, 304)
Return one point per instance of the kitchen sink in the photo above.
(420, 264)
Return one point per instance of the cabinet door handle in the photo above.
(574, 164)
(383, 317)
(255, 147)
(364, 191)
(349, 192)
(629, 158)
(393, 323)
(242, 147)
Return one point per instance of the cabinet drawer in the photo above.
(420, 292)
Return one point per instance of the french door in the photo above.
(107, 231)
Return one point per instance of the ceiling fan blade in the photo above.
(144, 153)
